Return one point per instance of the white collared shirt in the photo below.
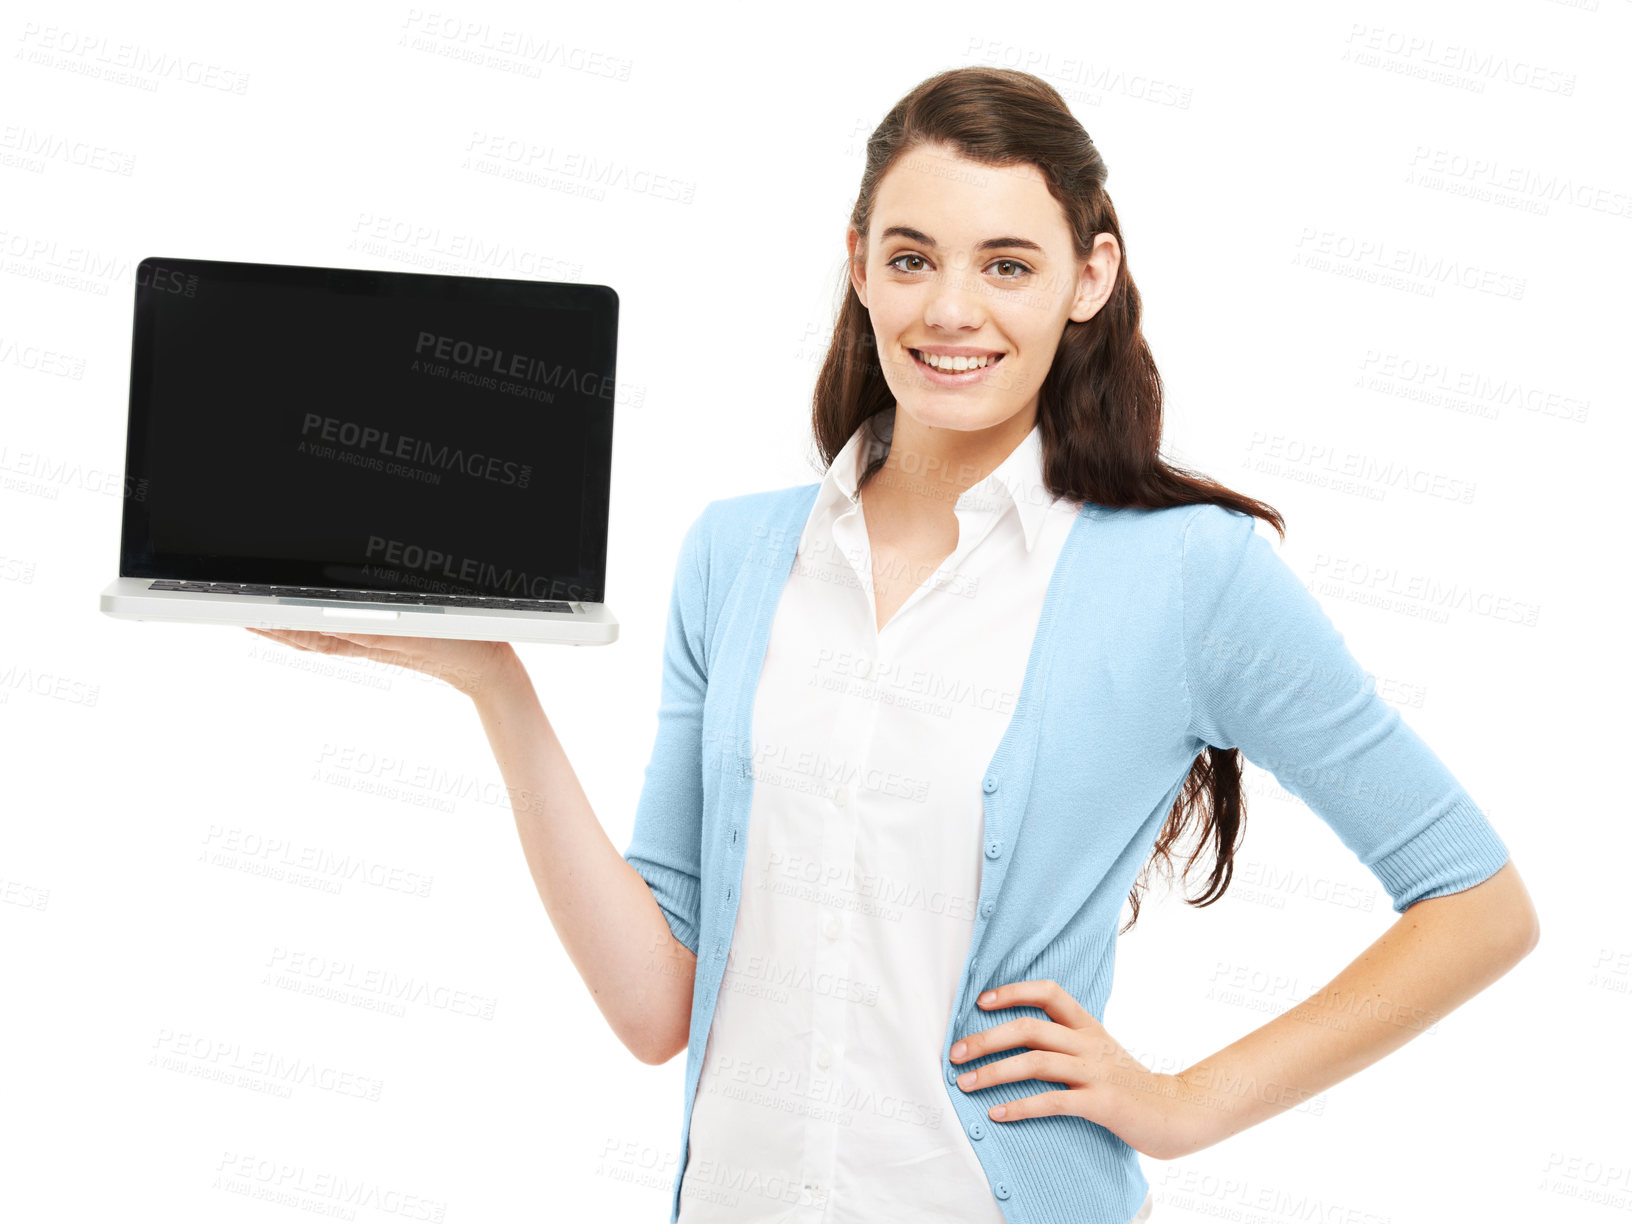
(821, 1095)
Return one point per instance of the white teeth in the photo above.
(954, 364)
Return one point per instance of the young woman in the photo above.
(923, 723)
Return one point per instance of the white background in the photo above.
(1270, 164)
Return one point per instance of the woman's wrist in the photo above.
(501, 671)
(1200, 1112)
(1166, 1116)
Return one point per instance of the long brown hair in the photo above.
(1100, 406)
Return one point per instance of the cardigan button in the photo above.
(994, 847)
(986, 907)
(989, 785)
(1001, 1190)
(976, 1131)
(952, 1073)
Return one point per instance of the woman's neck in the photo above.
(928, 468)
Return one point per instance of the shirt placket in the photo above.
(834, 916)
(833, 941)
(839, 922)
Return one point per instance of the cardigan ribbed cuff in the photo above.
(1453, 851)
(677, 896)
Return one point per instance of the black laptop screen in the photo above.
(325, 427)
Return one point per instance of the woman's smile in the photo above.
(954, 370)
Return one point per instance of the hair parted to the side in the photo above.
(1100, 405)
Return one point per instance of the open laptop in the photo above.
(370, 452)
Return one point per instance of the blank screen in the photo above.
(383, 430)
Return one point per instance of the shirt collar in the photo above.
(1018, 479)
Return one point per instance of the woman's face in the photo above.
(965, 258)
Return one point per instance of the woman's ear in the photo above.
(1098, 277)
(857, 263)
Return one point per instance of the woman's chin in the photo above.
(939, 409)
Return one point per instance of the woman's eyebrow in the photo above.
(990, 244)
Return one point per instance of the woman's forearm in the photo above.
(1437, 955)
(606, 917)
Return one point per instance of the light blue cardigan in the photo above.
(1162, 631)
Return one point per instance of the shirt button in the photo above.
(1001, 1190)
(824, 1059)
(994, 847)
(989, 785)
(833, 928)
(840, 799)
(976, 1131)
(986, 908)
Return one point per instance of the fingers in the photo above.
(1071, 1049)
(1029, 1064)
(1064, 1013)
(427, 656)
(376, 641)
(1028, 1031)
(295, 637)
(274, 635)
(367, 644)
(319, 643)
(1039, 1105)
(1045, 993)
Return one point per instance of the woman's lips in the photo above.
(954, 378)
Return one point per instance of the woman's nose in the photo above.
(956, 300)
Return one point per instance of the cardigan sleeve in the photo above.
(666, 846)
(1268, 673)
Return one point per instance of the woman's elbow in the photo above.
(1526, 923)
(1530, 934)
(655, 1049)
(1517, 917)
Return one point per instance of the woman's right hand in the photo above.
(466, 665)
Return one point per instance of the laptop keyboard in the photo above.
(360, 596)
